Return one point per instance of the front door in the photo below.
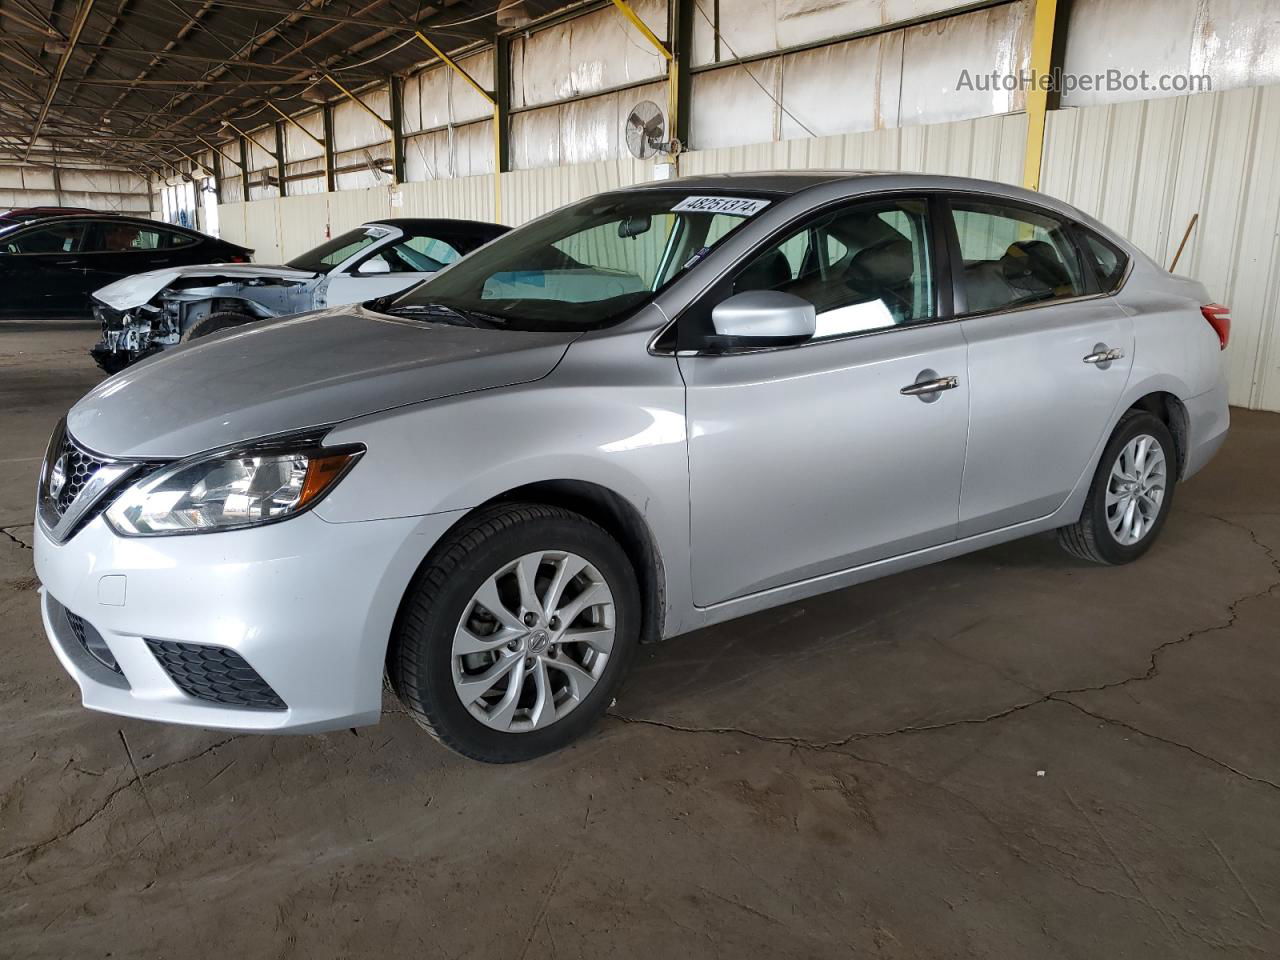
(45, 269)
(812, 459)
(1048, 361)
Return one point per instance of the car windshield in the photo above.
(329, 254)
(585, 266)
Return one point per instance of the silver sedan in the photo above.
(650, 411)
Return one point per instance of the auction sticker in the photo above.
(738, 206)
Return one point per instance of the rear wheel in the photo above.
(516, 635)
(1130, 496)
(219, 320)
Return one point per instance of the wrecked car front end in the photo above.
(144, 314)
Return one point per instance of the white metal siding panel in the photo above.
(903, 78)
(353, 127)
(1236, 43)
(594, 52)
(262, 229)
(758, 26)
(1145, 168)
(299, 146)
(988, 147)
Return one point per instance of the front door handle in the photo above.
(930, 386)
(1103, 355)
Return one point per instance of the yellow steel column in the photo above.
(672, 101)
(1038, 95)
(493, 102)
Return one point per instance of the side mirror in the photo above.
(374, 265)
(762, 318)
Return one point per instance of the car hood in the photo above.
(138, 289)
(281, 375)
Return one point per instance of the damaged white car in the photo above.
(151, 311)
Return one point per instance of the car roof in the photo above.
(442, 223)
(117, 219)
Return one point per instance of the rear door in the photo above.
(121, 248)
(1049, 357)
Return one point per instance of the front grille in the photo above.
(77, 468)
(88, 637)
(215, 674)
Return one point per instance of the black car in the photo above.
(51, 266)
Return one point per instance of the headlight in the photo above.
(230, 489)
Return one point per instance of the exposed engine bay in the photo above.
(191, 306)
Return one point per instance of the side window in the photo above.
(866, 267)
(170, 239)
(1108, 262)
(1012, 256)
(127, 238)
(59, 238)
(345, 251)
(420, 255)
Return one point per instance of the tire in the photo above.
(1091, 537)
(499, 724)
(219, 320)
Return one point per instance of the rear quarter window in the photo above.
(1107, 261)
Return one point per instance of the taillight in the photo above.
(238, 259)
(1219, 318)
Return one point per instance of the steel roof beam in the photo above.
(82, 16)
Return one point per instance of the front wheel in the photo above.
(1130, 496)
(517, 633)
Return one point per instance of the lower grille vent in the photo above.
(215, 674)
(89, 638)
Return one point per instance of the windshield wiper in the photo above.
(445, 314)
(436, 312)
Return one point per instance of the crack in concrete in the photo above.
(8, 532)
(138, 778)
(1052, 696)
(1167, 740)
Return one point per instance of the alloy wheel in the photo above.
(1136, 489)
(533, 641)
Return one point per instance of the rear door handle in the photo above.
(1104, 356)
(930, 386)
(66, 263)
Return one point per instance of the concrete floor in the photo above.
(1008, 755)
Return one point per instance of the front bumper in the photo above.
(306, 604)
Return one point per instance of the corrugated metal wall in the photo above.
(278, 229)
(33, 186)
(1145, 168)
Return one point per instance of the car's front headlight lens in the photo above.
(231, 489)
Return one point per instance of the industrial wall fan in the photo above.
(645, 128)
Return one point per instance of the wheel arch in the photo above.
(617, 515)
(620, 518)
(1172, 412)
